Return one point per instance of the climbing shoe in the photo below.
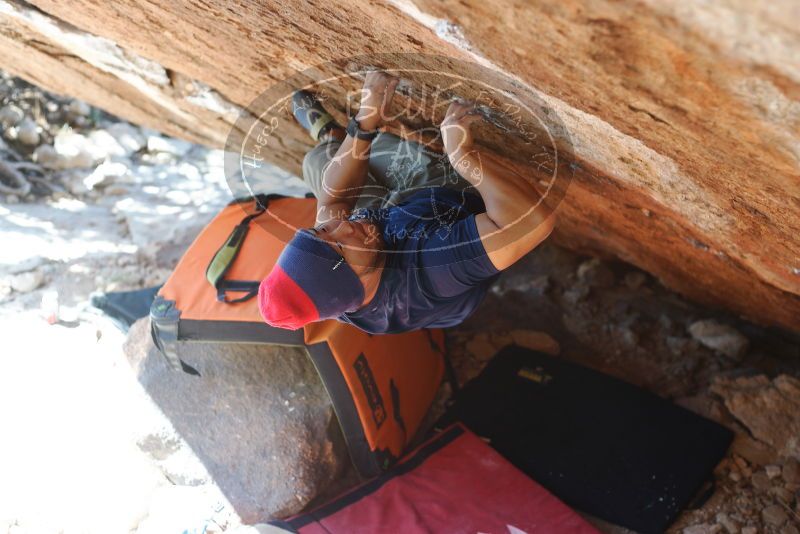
(311, 115)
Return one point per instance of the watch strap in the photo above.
(354, 130)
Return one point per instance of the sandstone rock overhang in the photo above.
(684, 119)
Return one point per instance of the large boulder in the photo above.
(258, 419)
(683, 117)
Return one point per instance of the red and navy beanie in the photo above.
(304, 286)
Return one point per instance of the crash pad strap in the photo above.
(248, 287)
(164, 318)
(222, 261)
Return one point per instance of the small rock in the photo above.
(626, 336)
(767, 408)
(80, 122)
(773, 471)
(665, 322)
(720, 337)
(707, 406)
(102, 144)
(116, 190)
(28, 264)
(576, 293)
(754, 451)
(28, 133)
(78, 108)
(73, 182)
(731, 526)
(540, 284)
(82, 160)
(12, 199)
(741, 463)
(635, 279)
(176, 147)
(791, 471)
(702, 528)
(46, 156)
(534, 340)
(10, 133)
(105, 174)
(129, 137)
(595, 273)
(774, 515)
(790, 529)
(26, 282)
(10, 115)
(749, 530)
(74, 149)
(783, 495)
(760, 481)
(677, 345)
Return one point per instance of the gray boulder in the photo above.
(258, 419)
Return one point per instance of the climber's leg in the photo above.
(316, 160)
(408, 166)
(322, 127)
(397, 167)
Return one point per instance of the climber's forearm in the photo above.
(508, 196)
(516, 220)
(343, 179)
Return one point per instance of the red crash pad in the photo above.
(454, 483)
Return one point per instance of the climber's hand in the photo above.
(455, 129)
(376, 98)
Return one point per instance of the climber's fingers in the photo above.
(377, 93)
(462, 113)
(388, 94)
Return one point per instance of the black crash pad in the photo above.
(602, 445)
(126, 307)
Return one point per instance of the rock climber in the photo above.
(401, 241)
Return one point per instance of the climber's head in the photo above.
(357, 241)
(321, 274)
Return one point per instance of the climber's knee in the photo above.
(316, 160)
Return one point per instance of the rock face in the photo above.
(683, 119)
(258, 419)
(770, 409)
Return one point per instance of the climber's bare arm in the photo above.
(342, 180)
(345, 175)
(510, 227)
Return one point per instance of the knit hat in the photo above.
(304, 286)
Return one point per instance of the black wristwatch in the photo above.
(354, 130)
